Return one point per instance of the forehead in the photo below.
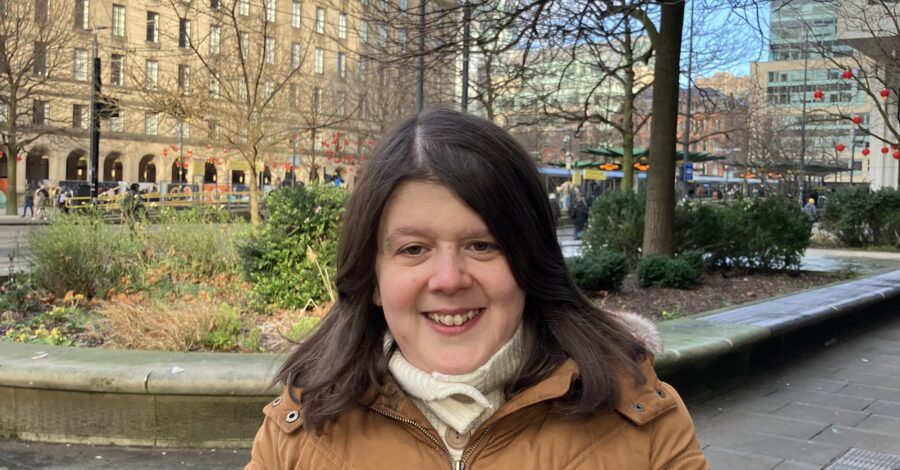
(427, 205)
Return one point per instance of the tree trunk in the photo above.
(628, 125)
(11, 150)
(659, 217)
(254, 195)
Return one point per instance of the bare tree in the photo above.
(36, 38)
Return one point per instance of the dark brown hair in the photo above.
(344, 358)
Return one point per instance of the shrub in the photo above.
(698, 227)
(862, 217)
(302, 328)
(79, 252)
(666, 271)
(605, 270)
(768, 234)
(290, 259)
(616, 222)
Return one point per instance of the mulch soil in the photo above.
(716, 290)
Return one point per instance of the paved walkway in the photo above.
(805, 414)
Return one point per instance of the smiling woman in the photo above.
(459, 339)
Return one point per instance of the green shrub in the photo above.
(290, 259)
(666, 271)
(79, 252)
(698, 227)
(861, 217)
(767, 234)
(228, 332)
(694, 258)
(616, 222)
(605, 270)
(302, 328)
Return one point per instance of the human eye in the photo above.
(412, 250)
(482, 246)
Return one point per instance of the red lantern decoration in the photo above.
(857, 120)
(185, 165)
(885, 93)
(896, 155)
(848, 74)
(865, 152)
(818, 95)
(884, 150)
(165, 152)
(19, 157)
(839, 147)
(208, 146)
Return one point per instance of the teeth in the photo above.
(453, 320)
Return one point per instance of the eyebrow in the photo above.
(414, 232)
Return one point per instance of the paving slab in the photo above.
(721, 458)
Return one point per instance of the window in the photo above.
(244, 39)
(213, 88)
(118, 21)
(320, 20)
(295, 13)
(214, 4)
(342, 26)
(152, 26)
(181, 129)
(40, 11)
(317, 100)
(39, 112)
(79, 116)
(319, 61)
(294, 95)
(295, 55)
(401, 39)
(268, 89)
(184, 32)
(151, 122)
(116, 75)
(184, 77)
(270, 50)
(339, 99)
(382, 34)
(40, 59)
(403, 7)
(244, 7)
(382, 5)
(242, 90)
(151, 72)
(79, 62)
(363, 63)
(341, 65)
(363, 31)
(270, 11)
(117, 123)
(82, 14)
(215, 39)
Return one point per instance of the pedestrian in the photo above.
(337, 179)
(41, 198)
(554, 208)
(29, 200)
(458, 338)
(579, 215)
(810, 209)
(61, 197)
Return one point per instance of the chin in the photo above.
(457, 367)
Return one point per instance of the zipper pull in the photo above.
(458, 465)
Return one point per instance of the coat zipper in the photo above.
(454, 464)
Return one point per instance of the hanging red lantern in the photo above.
(896, 154)
(885, 93)
(884, 150)
(848, 74)
(865, 152)
(19, 157)
(857, 120)
(839, 147)
(208, 146)
(165, 152)
(185, 165)
(818, 95)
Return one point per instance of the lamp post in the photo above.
(294, 132)
(420, 82)
(95, 116)
(686, 159)
(803, 115)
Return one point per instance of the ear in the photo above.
(376, 296)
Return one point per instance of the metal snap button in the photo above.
(292, 416)
(660, 393)
(456, 440)
(638, 407)
(276, 402)
(465, 399)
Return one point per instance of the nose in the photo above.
(449, 274)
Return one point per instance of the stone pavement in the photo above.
(17, 455)
(811, 410)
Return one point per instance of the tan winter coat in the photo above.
(649, 429)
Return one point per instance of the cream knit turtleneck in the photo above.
(459, 402)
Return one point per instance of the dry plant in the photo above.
(178, 326)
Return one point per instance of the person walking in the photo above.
(810, 209)
(579, 214)
(41, 197)
(29, 200)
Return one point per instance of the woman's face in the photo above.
(449, 297)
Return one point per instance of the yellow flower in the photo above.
(22, 337)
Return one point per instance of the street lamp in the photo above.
(95, 115)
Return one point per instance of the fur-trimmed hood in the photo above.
(643, 329)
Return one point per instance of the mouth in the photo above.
(454, 319)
